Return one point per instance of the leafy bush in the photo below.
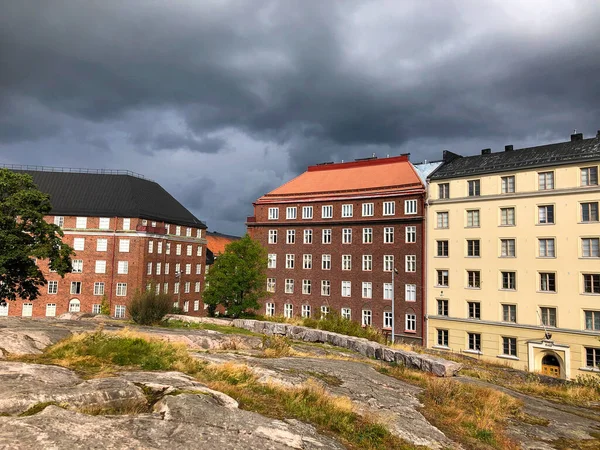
(149, 308)
(338, 324)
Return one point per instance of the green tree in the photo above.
(149, 308)
(25, 236)
(237, 279)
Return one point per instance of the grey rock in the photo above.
(30, 340)
(278, 328)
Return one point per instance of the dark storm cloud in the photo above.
(312, 80)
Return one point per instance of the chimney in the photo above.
(598, 134)
(576, 137)
(486, 151)
(508, 148)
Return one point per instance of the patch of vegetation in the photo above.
(329, 379)
(276, 346)
(532, 420)
(37, 408)
(573, 444)
(148, 307)
(180, 324)
(124, 408)
(337, 324)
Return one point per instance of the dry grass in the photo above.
(277, 347)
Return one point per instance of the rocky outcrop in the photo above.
(194, 319)
(437, 366)
(29, 340)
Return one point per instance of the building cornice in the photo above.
(307, 224)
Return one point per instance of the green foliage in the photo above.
(337, 324)
(104, 307)
(149, 308)
(25, 235)
(237, 279)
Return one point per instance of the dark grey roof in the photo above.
(541, 156)
(110, 195)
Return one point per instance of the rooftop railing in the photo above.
(73, 170)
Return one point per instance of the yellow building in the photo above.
(513, 267)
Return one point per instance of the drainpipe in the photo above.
(112, 271)
(424, 326)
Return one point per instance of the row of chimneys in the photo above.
(509, 148)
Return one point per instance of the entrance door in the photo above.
(550, 366)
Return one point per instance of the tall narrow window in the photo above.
(327, 212)
(444, 190)
(474, 188)
(389, 208)
(472, 218)
(347, 210)
(507, 248)
(507, 217)
(307, 212)
(291, 212)
(442, 220)
(388, 235)
(508, 184)
(589, 176)
(473, 247)
(410, 235)
(545, 181)
(410, 263)
(308, 236)
(273, 213)
(367, 235)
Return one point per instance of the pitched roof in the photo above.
(357, 177)
(541, 156)
(216, 242)
(109, 195)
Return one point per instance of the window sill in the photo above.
(507, 290)
(507, 257)
(589, 369)
(439, 286)
(441, 347)
(512, 358)
(473, 352)
(473, 256)
(588, 222)
(508, 225)
(546, 292)
(473, 226)
(441, 256)
(545, 224)
(410, 331)
(546, 257)
(473, 288)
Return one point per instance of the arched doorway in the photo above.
(551, 365)
(74, 305)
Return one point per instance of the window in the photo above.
(289, 261)
(104, 223)
(410, 263)
(410, 323)
(589, 247)
(196, 287)
(442, 278)
(120, 311)
(325, 288)
(387, 319)
(367, 235)
(410, 207)
(548, 316)
(159, 246)
(272, 236)
(387, 291)
(589, 176)
(270, 309)
(474, 310)
(100, 266)
(188, 250)
(79, 244)
(98, 288)
(77, 266)
(508, 184)
(592, 357)
(474, 341)
(101, 245)
(388, 263)
(199, 250)
(410, 292)
(507, 248)
(291, 212)
(81, 222)
(389, 208)
(442, 338)
(410, 235)
(346, 313)
(273, 213)
(346, 288)
(367, 317)
(546, 248)
(509, 313)
(547, 282)
(327, 212)
(307, 261)
(59, 221)
(367, 263)
(545, 180)
(121, 289)
(347, 210)
(188, 231)
(290, 237)
(289, 286)
(272, 261)
(589, 212)
(305, 310)
(127, 224)
(149, 269)
(176, 288)
(367, 289)
(592, 320)
(473, 279)
(509, 280)
(178, 230)
(270, 284)
(346, 262)
(122, 267)
(326, 236)
(186, 306)
(306, 287)
(167, 248)
(444, 190)
(591, 283)
(326, 262)
(442, 248)
(473, 218)
(368, 209)
(509, 346)
(473, 247)
(198, 269)
(442, 307)
(388, 235)
(546, 214)
(507, 217)
(50, 309)
(347, 236)
(52, 287)
(308, 235)
(75, 287)
(307, 212)
(474, 188)
(167, 266)
(196, 305)
(96, 308)
(288, 310)
(324, 311)
(158, 268)
(442, 220)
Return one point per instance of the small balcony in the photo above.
(151, 230)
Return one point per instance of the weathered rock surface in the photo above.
(193, 319)
(29, 340)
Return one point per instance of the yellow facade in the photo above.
(548, 263)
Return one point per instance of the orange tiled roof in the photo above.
(360, 177)
(216, 242)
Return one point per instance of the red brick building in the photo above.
(335, 233)
(128, 233)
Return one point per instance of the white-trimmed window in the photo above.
(186, 287)
(326, 262)
(368, 209)
(347, 210)
(104, 223)
(367, 235)
(167, 228)
(346, 235)
(101, 245)
(126, 224)
(291, 212)
(199, 250)
(410, 323)
(326, 212)
(346, 262)
(546, 248)
(410, 292)
(196, 286)
(269, 309)
(308, 236)
(198, 269)
(367, 263)
(100, 266)
(273, 213)
(177, 269)
(159, 246)
(178, 230)
(188, 230)
(158, 268)
(410, 235)
(122, 267)
(367, 317)
(546, 214)
(96, 308)
(545, 181)
(346, 288)
(270, 284)
(410, 263)
(589, 247)
(306, 287)
(325, 288)
(289, 260)
(288, 310)
(272, 236)
(389, 208)
(290, 237)
(305, 310)
(99, 288)
(149, 269)
(186, 306)
(442, 219)
(307, 261)
(167, 248)
(121, 289)
(52, 287)
(79, 244)
(272, 261)
(189, 250)
(346, 313)
(196, 305)
(388, 263)
(324, 311)
(507, 217)
(307, 212)
(50, 309)
(178, 250)
(367, 289)
(77, 266)
(289, 286)
(473, 218)
(387, 291)
(59, 221)
(326, 236)
(167, 267)
(120, 311)
(124, 245)
(176, 288)
(508, 184)
(589, 176)
(166, 288)
(410, 207)
(188, 269)
(81, 222)
(387, 319)
(388, 235)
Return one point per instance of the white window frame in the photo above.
(308, 236)
(410, 292)
(272, 261)
(367, 289)
(389, 208)
(307, 212)
(269, 309)
(367, 235)
(272, 236)
(410, 235)
(388, 235)
(101, 245)
(410, 263)
(368, 209)
(388, 263)
(410, 323)
(290, 237)
(100, 266)
(327, 212)
(410, 207)
(104, 223)
(79, 244)
(326, 236)
(347, 210)
(289, 286)
(306, 287)
(346, 288)
(81, 223)
(367, 318)
(346, 235)
(123, 245)
(291, 212)
(273, 213)
(325, 262)
(367, 263)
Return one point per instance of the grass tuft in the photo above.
(37, 408)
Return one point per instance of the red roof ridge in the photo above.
(359, 163)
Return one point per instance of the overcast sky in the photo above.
(222, 101)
